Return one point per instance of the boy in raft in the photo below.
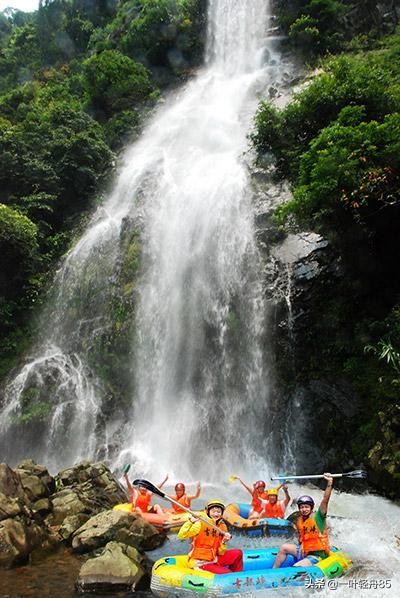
(183, 498)
(314, 542)
(272, 507)
(140, 499)
(209, 551)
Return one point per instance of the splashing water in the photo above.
(367, 527)
(202, 376)
(200, 365)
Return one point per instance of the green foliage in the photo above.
(342, 167)
(115, 82)
(19, 259)
(18, 250)
(159, 33)
(314, 26)
(120, 128)
(370, 81)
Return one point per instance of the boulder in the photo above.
(66, 503)
(17, 540)
(9, 507)
(118, 567)
(87, 489)
(29, 469)
(10, 483)
(71, 524)
(128, 528)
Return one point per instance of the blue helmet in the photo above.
(305, 500)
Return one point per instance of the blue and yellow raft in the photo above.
(236, 518)
(171, 576)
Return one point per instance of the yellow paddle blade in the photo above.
(232, 478)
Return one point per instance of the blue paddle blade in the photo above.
(359, 473)
(126, 468)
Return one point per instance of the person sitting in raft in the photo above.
(182, 498)
(258, 493)
(272, 507)
(140, 498)
(313, 537)
(209, 551)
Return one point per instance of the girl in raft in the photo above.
(140, 498)
(182, 498)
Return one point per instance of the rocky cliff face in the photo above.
(325, 404)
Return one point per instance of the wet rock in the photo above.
(71, 524)
(87, 488)
(28, 469)
(9, 507)
(33, 486)
(118, 567)
(66, 503)
(123, 527)
(17, 540)
(384, 457)
(42, 506)
(10, 483)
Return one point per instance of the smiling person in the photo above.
(182, 498)
(209, 547)
(140, 498)
(272, 507)
(313, 536)
(258, 494)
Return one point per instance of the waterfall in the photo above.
(200, 364)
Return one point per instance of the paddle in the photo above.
(149, 486)
(357, 474)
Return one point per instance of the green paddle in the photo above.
(149, 486)
(360, 474)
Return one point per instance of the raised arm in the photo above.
(163, 482)
(323, 507)
(197, 493)
(236, 477)
(130, 488)
(286, 500)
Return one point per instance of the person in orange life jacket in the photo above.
(314, 543)
(209, 551)
(183, 498)
(272, 507)
(258, 493)
(140, 498)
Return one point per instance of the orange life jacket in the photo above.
(206, 544)
(276, 511)
(183, 500)
(256, 502)
(142, 501)
(311, 538)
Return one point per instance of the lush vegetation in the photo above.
(76, 79)
(315, 27)
(338, 142)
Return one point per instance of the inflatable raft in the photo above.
(172, 576)
(236, 518)
(169, 521)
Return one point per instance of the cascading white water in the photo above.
(200, 365)
(202, 385)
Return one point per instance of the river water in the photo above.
(366, 526)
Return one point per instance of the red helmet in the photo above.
(259, 484)
(179, 486)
